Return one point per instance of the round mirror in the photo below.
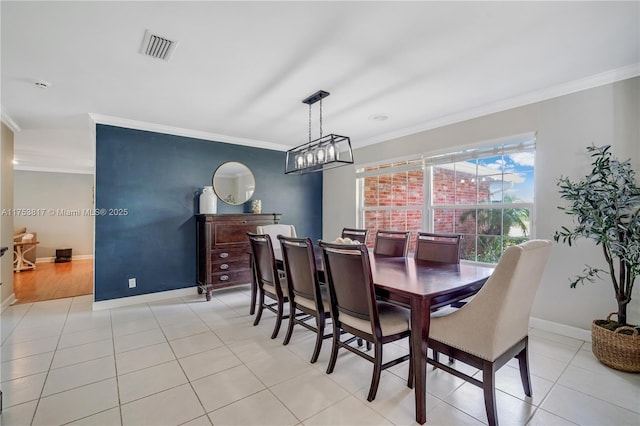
(233, 183)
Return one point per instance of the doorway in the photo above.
(56, 210)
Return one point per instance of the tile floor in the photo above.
(191, 362)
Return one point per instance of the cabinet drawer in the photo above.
(229, 255)
(226, 266)
(238, 277)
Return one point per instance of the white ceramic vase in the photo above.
(208, 201)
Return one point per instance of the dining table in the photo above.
(422, 286)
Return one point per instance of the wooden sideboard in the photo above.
(223, 247)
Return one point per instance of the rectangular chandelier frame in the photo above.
(321, 154)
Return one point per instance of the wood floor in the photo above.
(54, 281)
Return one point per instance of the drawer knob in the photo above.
(224, 255)
(224, 277)
(224, 266)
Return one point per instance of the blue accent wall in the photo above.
(158, 178)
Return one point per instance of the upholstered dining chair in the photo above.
(355, 234)
(269, 282)
(391, 243)
(493, 327)
(305, 292)
(436, 247)
(277, 229)
(355, 310)
(273, 231)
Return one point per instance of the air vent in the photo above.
(156, 46)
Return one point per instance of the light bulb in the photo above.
(320, 155)
(299, 161)
(331, 152)
(309, 157)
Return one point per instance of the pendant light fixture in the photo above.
(323, 153)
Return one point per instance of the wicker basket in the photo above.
(615, 349)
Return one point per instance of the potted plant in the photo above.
(605, 206)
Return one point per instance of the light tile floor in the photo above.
(191, 362)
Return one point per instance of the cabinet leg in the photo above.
(208, 296)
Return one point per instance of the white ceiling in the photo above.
(241, 69)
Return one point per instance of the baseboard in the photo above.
(561, 329)
(8, 301)
(53, 259)
(143, 298)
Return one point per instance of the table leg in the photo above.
(420, 319)
(17, 261)
(29, 264)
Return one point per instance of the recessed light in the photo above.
(42, 84)
(379, 117)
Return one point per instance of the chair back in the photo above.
(356, 234)
(264, 260)
(276, 229)
(498, 316)
(444, 248)
(348, 274)
(300, 267)
(391, 243)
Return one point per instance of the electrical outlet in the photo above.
(132, 282)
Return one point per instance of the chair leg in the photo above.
(368, 345)
(410, 378)
(292, 317)
(377, 370)
(334, 349)
(523, 361)
(320, 322)
(488, 385)
(260, 307)
(276, 328)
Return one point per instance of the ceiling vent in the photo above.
(157, 46)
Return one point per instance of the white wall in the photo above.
(54, 193)
(565, 126)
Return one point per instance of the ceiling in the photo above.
(241, 69)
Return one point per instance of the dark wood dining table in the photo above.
(422, 286)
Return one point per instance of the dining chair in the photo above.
(277, 229)
(391, 243)
(355, 234)
(269, 282)
(273, 231)
(355, 310)
(493, 327)
(436, 247)
(305, 292)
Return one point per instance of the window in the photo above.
(486, 194)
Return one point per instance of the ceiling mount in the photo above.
(318, 96)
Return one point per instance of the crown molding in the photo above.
(177, 131)
(6, 119)
(608, 77)
(79, 171)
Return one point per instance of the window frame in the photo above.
(525, 142)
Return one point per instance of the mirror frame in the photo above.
(227, 197)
